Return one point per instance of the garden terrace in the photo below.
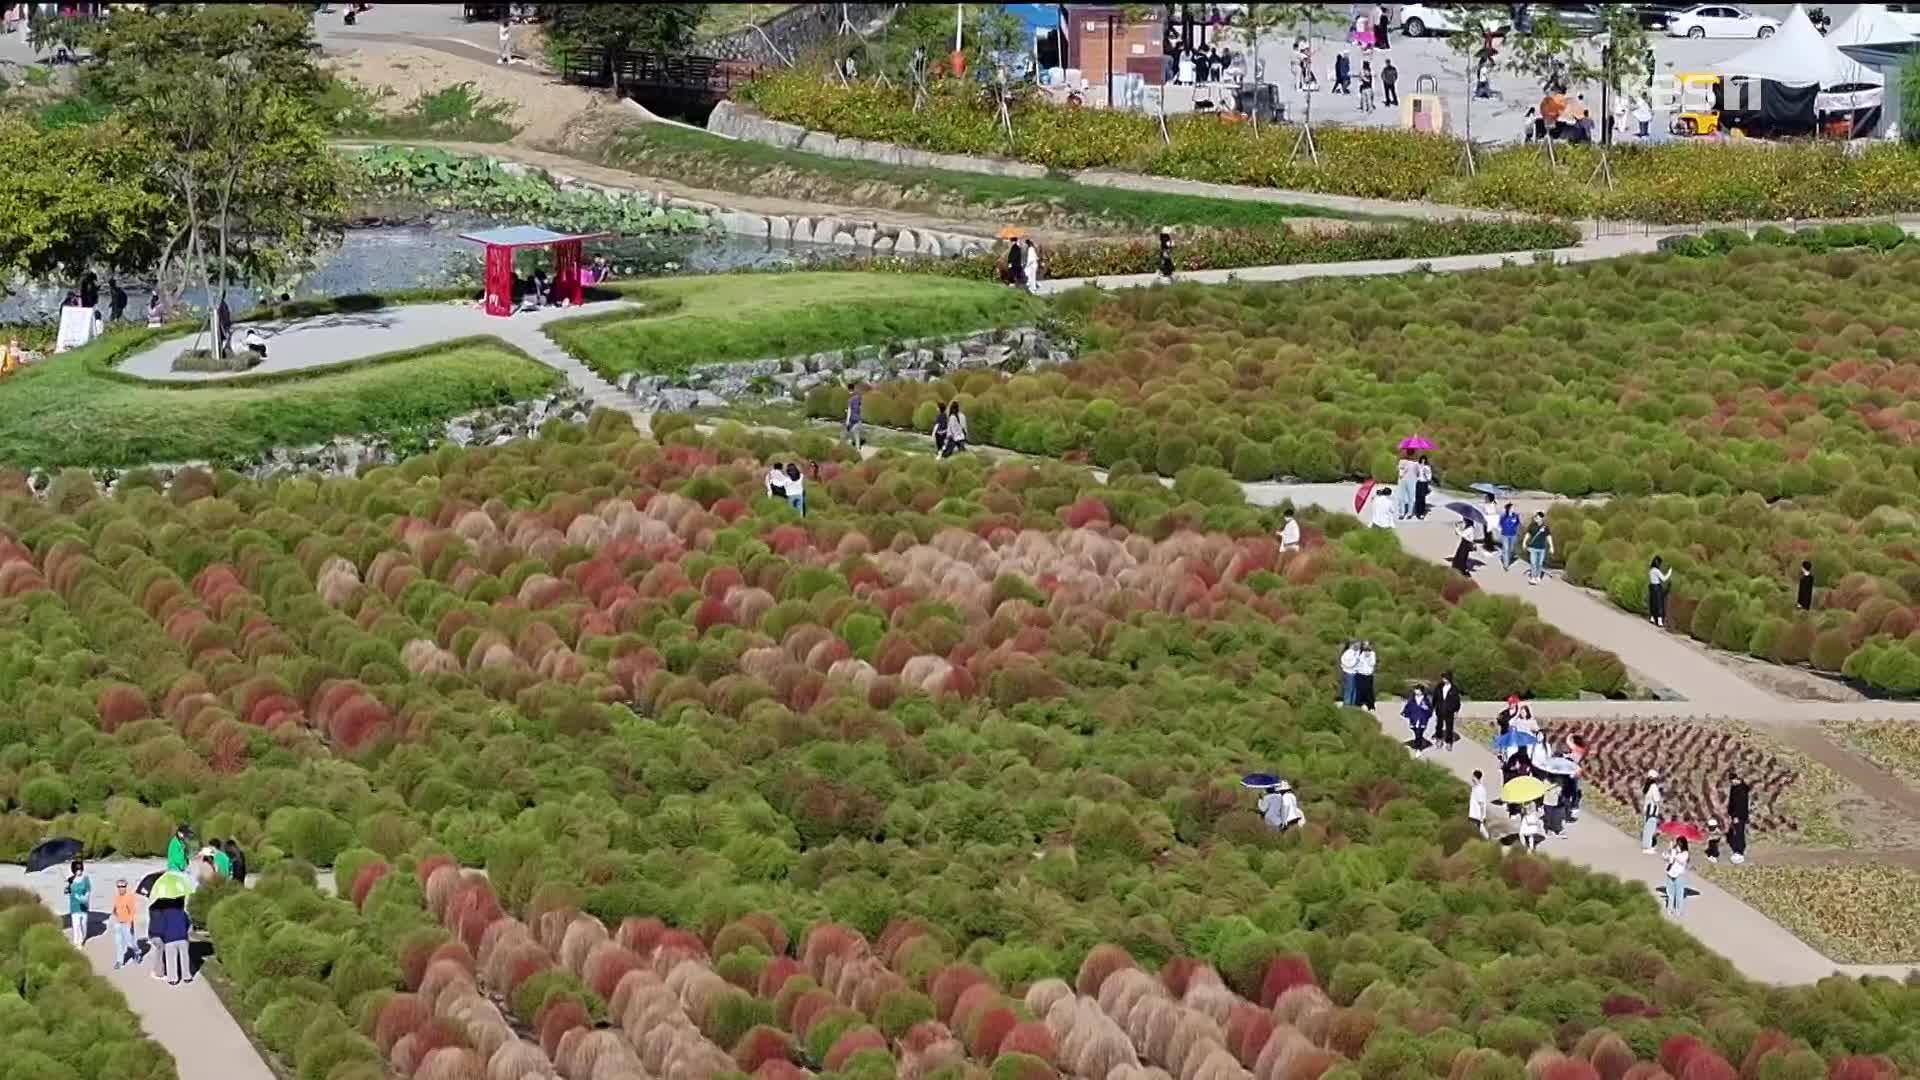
(1736, 564)
(1781, 373)
(61, 1019)
(1677, 183)
(74, 410)
(1008, 704)
(756, 316)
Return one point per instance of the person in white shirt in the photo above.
(1363, 676)
(1657, 577)
(956, 430)
(1677, 876)
(1350, 674)
(1290, 534)
(1281, 808)
(1650, 807)
(1532, 825)
(506, 43)
(1385, 510)
(1477, 804)
(777, 482)
(796, 489)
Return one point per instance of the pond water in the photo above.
(389, 257)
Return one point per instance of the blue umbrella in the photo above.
(1470, 512)
(1259, 780)
(1514, 740)
(1495, 490)
(1560, 766)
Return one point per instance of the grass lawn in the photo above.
(755, 316)
(710, 161)
(73, 410)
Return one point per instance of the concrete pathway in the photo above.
(1589, 250)
(324, 341)
(188, 1021)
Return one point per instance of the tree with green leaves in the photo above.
(222, 102)
(1906, 83)
(617, 28)
(76, 197)
(1550, 54)
(1620, 72)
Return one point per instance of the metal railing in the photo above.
(637, 68)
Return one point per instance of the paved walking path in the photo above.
(188, 1021)
(1609, 247)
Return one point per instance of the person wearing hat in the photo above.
(177, 847)
(1713, 840)
(1650, 806)
(1281, 807)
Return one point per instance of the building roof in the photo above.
(518, 236)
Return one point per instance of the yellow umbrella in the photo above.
(1012, 232)
(1523, 789)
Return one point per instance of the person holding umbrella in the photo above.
(1419, 712)
(167, 923)
(1463, 550)
(1650, 806)
(1281, 808)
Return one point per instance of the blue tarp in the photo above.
(1039, 18)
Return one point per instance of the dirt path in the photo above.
(751, 204)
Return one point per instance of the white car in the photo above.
(1721, 21)
(1423, 20)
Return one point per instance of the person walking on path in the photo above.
(506, 42)
(126, 907)
(1533, 825)
(177, 847)
(1342, 74)
(1804, 601)
(1739, 806)
(1389, 85)
(1363, 676)
(1016, 264)
(116, 300)
(1166, 255)
(940, 430)
(1350, 674)
(1446, 707)
(1657, 577)
(956, 429)
(167, 922)
(1651, 804)
(1406, 480)
(1477, 805)
(1032, 265)
(796, 489)
(236, 862)
(1539, 546)
(1419, 713)
(1382, 27)
(1509, 535)
(79, 901)
(1677, 876)
(1422, 486)
(1290, 533)
(1366, 86)
(1463, 551)
(855, 432)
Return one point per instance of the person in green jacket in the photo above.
(177, 848)
(221, 863)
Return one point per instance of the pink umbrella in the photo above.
(1415, 442)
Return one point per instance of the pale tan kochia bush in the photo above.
(441, 976)
(582, 934)
(518, 1060)
(580, 1058)
(1041, 996)
(1298, 1001)
(452, 1063)
(440, 887)
(1121, 989)
(1281, 1046)
(696, 985)
(402, 1055)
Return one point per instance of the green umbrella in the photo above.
(172, 885)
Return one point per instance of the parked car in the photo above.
(1578, 18)
(1658, 16)
(1423, 20)
(1721, 21)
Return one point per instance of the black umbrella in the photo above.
(145, 887)
(60, 849)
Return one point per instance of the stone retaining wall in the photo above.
(739, 122)
(713, 386)
(863, 236)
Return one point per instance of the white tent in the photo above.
(1797, 55)
(1868, 24)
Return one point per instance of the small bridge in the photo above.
(664, 82)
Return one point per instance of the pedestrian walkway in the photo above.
(188, 1021)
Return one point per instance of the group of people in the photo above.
(1357, 664)
(1438, 706)
(1202, 64)
(949, 428)
(1343, 81)
(1280, 807)
(168, 925)
(1022, 268)
(1677, 854)
(785, 482)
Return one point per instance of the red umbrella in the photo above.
(1360, 497)
(1686, 830)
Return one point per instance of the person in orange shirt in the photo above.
(125, 907)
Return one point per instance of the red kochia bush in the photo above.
(948, 984)
(779, 1070)
(425, 867)
(1862, 1067)
(851, 1043)
(1569, 1069)
(776, 973)
(557, 1017)
(640, 935)
(120, 704)
(365, 879)
(1707, 1065)
(761, 1045)
(1677, 1050)
(401, 1015)
(1284, 972)
(991, 1028)
(1030, 1037)
(1101, 961)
